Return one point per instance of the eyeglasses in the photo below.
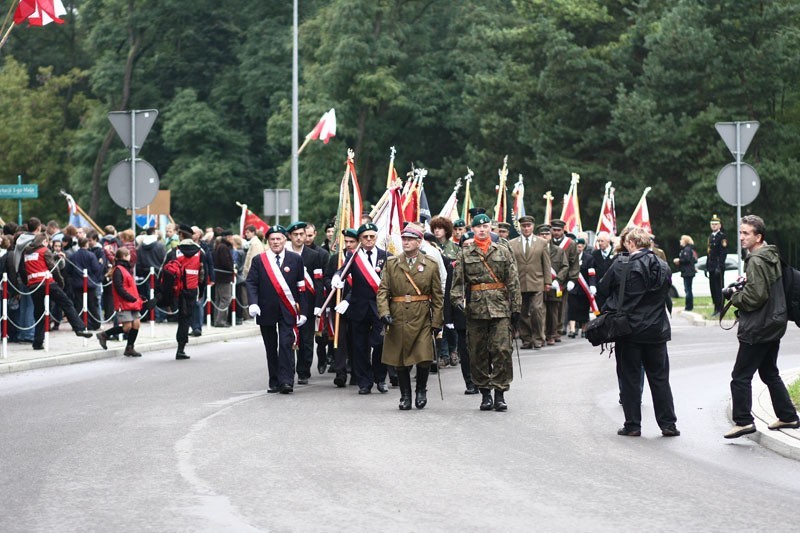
(370, 237)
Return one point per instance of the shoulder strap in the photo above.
(412, 283)
(491, 272)
(625, 269)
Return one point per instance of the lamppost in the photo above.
(295, 127)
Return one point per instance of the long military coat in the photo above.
(408, 340)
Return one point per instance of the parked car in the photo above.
(700, 286)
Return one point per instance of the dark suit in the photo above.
(343, 353)
(601, 266)
(365, 324)
(260, 290)
(312, 260)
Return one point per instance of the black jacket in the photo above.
(223, 262)
(646, 295)
(686, 261)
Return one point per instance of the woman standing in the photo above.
(126, 302)
(686, 260)
(647, 280)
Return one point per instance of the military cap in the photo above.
(467, 236)
(459, 223)
(412, 232)
(277, 228)
(526, 219)
(715, 218)
(329, 225)
(350, 232)
(475, 211)
(571, 235)
(542, 228)
(479, 219)
(185, 229)
(558, 223)
(504, 225)
(294, 226)
(369, 226)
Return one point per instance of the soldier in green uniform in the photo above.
(559, 270)
(489, 271)
(410, 300)
(567, 243)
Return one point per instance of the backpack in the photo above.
(169, 283)
(791, 287)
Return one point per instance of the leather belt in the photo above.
(487, 286)
(411, 298)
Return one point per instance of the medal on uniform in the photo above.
(378, 270)
(420, 268)
(286, 269)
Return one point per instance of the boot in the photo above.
(499, 401)
(404, 377)
(422, 382)
(129, 350)
(181, 354)
(486, 402)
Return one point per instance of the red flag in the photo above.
(641, 215)
(39, 12)
(571, 213)
(608, 212)
(249, 218)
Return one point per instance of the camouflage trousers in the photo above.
(490, 352)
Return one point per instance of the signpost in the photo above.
(19, 192)
(737, 137)
(277, 203)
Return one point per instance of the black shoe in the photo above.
(181, 355)
(302, 381)
(364, 390)
(85, 334)
(286, 389)
(434, 368)
(103, 340)
(321, 368)
(422, 399)
(382, 388)
(629, 432)
(670, 431)
(340, 381)
(486, 403)
(393, 381)
(499, 401)
(131, 352)
(197, 333)
(471, 389)
(38, 347)
(273, 390)
(405, 401)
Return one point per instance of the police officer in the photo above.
(410, 302)
(715, 262)
(494, 305)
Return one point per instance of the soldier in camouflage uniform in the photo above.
(487, 273)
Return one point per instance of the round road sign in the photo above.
(726, 184)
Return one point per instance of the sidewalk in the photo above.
(66, 348)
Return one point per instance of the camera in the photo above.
(728, 291)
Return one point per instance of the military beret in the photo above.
(186, 229)
(369, 226)
(350, 232)
(558, 223)
(571, 235)
(330, 225)
(542, 228)
(276, 229)
(459, 223)
(412, 231)
(467, 236)
(580, 241)
(526, 219)
(475, 211)
(294, 226)
(479, 219)
(715, 218)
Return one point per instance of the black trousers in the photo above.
(631, 357)
(305, 352)
(367, 352)
(278, 342)
(57, 295)
(91, 304)
(715, 280)
(186, 302)
(763, 358)
(344, 349)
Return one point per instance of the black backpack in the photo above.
(791, 287)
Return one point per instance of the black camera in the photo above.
(728, 291)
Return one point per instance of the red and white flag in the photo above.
(571, 213)
(325, 128)
(548, 207)
(249, 218)
(518, 207)
(39, 12)
(608, 212)
(641, 215)
(450, 208)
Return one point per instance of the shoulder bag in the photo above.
(612, 326)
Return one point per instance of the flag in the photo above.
(424, 208)
(641, 215)
(518, 194)
(78, 217)
(571, 213)
(410, 197)
(467, 199)
(39, 12)
(548, 207)
(389, 220)
(501, 204)
(249, 218)
(324, 130)
(450, 209)
(608, 213)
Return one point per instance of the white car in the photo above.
(700, 286)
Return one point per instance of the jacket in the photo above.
(686, 261)
(533, 265)
(261, 291)
(470, 270)
(646, 295)
(761, 303)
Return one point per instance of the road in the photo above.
(156, 444)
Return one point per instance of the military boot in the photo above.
(486, 402)
(422, 383)
(499, 401)
(404, 377)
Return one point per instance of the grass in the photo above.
(703, 305)
(794, 392)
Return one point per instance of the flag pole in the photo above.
(390, 174)
(6, 34)
(305, 143)
(548, 207)
(503, 172)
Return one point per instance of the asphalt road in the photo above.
(161, 445)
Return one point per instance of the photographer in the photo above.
(761, 305)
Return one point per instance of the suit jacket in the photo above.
(261, 291)
(571, 253)
(312, 260)
(362, 298)
(601, 265)
(533, 266)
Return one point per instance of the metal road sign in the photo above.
(19, 192)
(727, 130)
(119, 183)
(121, 121)
(726, 184)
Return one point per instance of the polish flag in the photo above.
(571, 213)
(39, 12)
(641, 215)
(608, 214)
(325, 128)
(249, 218)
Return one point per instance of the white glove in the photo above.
(556, 286)
(570, 285)
(450, 326)
(301, 320)
(593, 290)
(342, 307)
(337, 282)
(317, 311)
(254, 310)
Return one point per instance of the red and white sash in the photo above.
(589, 295)
(309, 282)
(565, 243)
(368, 271)
(282, 289)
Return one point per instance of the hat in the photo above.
(526, 219)
(459, 223)
(504, 225)
(715, 218)
(430, 237)
(369, 226)
(329, 225)
(558, 223)
(350, 232)
(580, 241)
(185, 229)
(571, 235)
(475, 211)
(226, 233)
(276, 229)
(542, 228)
(294, 226)
(479, 219)
(412, 231)
(467, 236)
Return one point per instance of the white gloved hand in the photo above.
(556, 286)
(317, 311)
(450, 326)
(337, 282)
(593, 290)
(254, 310)
(301, 320)
(342, 307)
(570, 285)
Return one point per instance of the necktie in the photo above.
(527, 245)
(278, 260)
(369, 256)
(410, 262)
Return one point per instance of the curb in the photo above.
(95, 354)
(696, 319)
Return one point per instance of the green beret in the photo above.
(276, 229)
(350, 232)
(459, 223)
(296, 226)
(369, 226)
